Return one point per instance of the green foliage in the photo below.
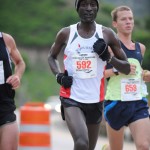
(107, 8)
(34, 24)
(143, 36)
(147, 23)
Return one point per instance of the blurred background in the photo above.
(34, 25)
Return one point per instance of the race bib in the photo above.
(2, 81)
(131, 89)
(85, 65)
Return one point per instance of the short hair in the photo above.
(120, 8)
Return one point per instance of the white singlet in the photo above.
(85, 66)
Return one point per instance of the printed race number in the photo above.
(130, 88)
(83, 64)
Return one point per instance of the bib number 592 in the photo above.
(83, 64)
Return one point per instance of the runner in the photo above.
(125, 103)
(82, 82)
(8, 83)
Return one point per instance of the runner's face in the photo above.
(88, 10)
(125, 22)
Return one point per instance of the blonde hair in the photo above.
(120, 8)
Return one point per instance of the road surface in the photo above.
(62, 140)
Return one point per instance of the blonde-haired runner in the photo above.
(125, 101)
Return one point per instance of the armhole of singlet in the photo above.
(99, 30)
(71, 34)
(1, 36)
(138, 47)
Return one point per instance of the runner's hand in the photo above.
(146, 75)
(132, 69)
(64, 80)
(101, 48)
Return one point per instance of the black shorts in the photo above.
(7, 118)
(92, 112)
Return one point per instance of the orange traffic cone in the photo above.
(34, 127)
